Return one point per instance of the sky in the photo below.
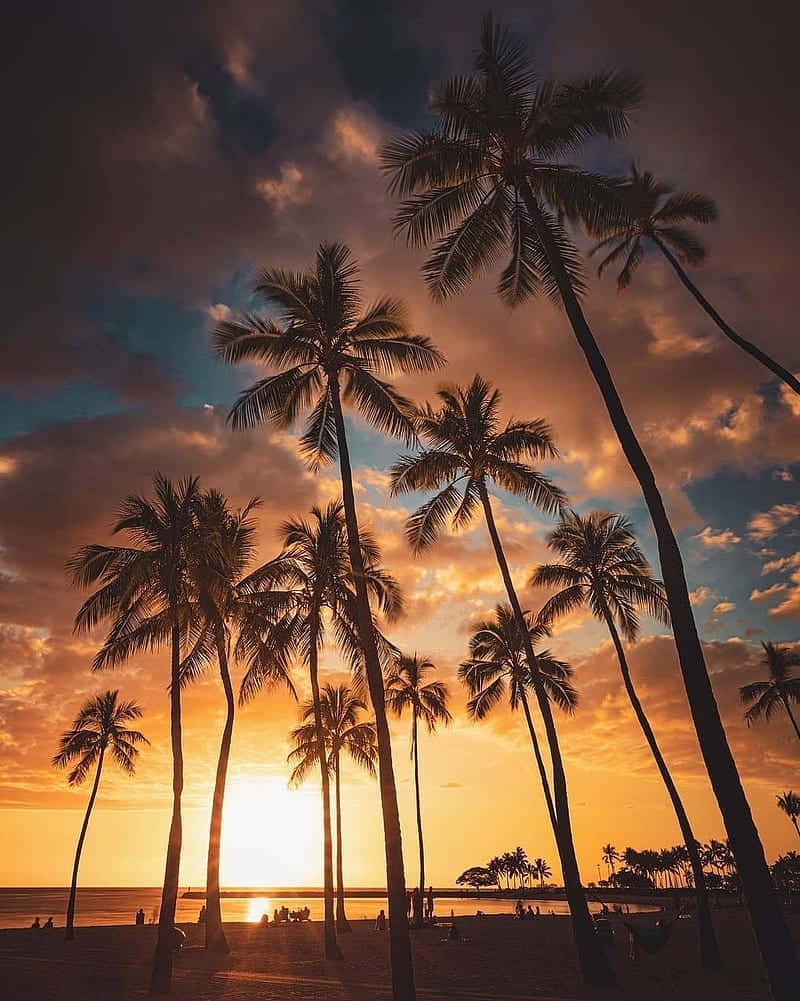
(161, 156)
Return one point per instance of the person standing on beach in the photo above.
(429, 908)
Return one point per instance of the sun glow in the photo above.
(271, 836)
(257, 908)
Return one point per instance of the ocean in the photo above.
(118, 905)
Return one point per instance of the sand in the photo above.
(499, 958)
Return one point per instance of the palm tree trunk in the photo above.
(794, 821)
(791, 715)
(332, 950)
(594, 962)
(769, 924)
(162, 960)
(539, 761)
(777, 369)
(342, 924)
(709, 948)
(415, 751)
(215, 934)
(403, 988)
(69, 931)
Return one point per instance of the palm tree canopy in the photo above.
(789, 802)
(324, 333)
(343, 733)
(406, 688)
(604, 568)
(144, 588)
(498, 665)
(610, 854)
(655, 212)
(764, 697)
(312, 575)
(100, 726)
(469, 445)
(502, 138)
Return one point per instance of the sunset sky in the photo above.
(164, 152)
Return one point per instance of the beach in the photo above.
(498, 958)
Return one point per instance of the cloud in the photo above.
(765, 524)
(768, 593)
(723, 539)
(701, 595)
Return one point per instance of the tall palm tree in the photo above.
(343, 733)
(406, 688)
(541, 870)
(98, 727)
(315, 573)
(656, 214)
(789, 802)
(328, 352)
(610, 856)
(228, 599)
(780, 689)
(144, 590)
(492, 174)
(602, 567)
(498, 665)
(468, 447)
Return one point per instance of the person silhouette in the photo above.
(429, 904)
(36, 922)
(49, 923)
(380, 921)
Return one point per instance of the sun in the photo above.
(271, 835)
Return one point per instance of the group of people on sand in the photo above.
(47, 924)
(520, 911)
(283, 916)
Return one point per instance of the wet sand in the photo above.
(499, 958)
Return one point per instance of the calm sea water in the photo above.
(110, 906)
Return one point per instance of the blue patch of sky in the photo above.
(76, 401)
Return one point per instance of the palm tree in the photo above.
(498, 665)
(603, 568)
(326, 353)
(468, 447)
(656, 214)
(343, 733)
(144, 590)
(227, 598)
(492, 173)
(406, 688)
(541, 870)
(789, 802)
(610, 856)
(98, 727)
(780, 689)
(315, 574)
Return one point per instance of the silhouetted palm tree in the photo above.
(314, 574)
(780, 689)
(492, 174)
(541, 870)
(657, 214)
(468, 447)
(343, 733)
(98, 727)
(604, 569)
(406, 688)
(789, 802)
(327, 352)
(221, 549)
(145, 592)
(498, 665)
(610, 856)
